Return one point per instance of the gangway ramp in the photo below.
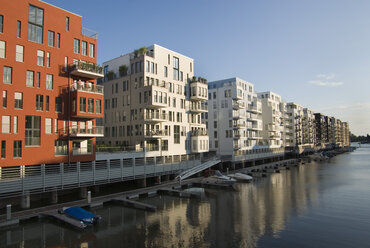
(194, 170)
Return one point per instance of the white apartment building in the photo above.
(154, 103)
(294, 125)
(234, 118)
(308, 128)
(272, 119)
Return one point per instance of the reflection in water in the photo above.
(262, 210)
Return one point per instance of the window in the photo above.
(18, 100)
(175, 68)
(61, 147)
(5, 99)
(67, 24)
(47, 103)
(76, 46)
(39, 102)
(58, 104)
(19, 53)
(47, 59)
(7, 75)
(38, 76)
(2, 49)
(215, 124)
(3, 149)
(90, 105)
(5, 124)
(40, 57)
(1, 23)
(58, 40)
(19, 29)
(165, 71)
(164, 145)
(17, 149)
(49, 81)
(176, 134)
(35, 24)
(15, 124)
(32, 130)
(84, 48)
(48, 126)
(30, 79)
(51, 38)
(98, 106)
(82, 104)
(91, 50)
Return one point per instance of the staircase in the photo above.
(185, 174)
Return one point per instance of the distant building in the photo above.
(50, 99)
(154, 103)
(308, 128)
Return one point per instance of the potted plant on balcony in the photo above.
(110, 75)
(123, 70)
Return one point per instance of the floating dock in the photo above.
(213, 185)
(63, 218)
(134, 204)
(178, 193)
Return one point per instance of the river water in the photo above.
(320, 204)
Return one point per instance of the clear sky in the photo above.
(312, 52)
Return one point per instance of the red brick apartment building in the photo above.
(50, 99)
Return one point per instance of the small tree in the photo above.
(123, 70)
(143, 50)
(110, 75)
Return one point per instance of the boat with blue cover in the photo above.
(81, 214)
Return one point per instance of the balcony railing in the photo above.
(198, 108)
(96, 131)
(88, 70)
(199, 133)
(155, 116)
(91, 88)
(156, 132)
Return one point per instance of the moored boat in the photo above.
(241, 177)
(81, 214)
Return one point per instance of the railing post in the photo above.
(78, 173)
(121, 167)
(133, 168)
(61, 174)
(43, 176)
(108, 167)
(8, 212)
(93, 163)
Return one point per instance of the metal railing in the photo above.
(199, 133)
(20, 180)
(90, 67)
(91, 88)
(98, 130)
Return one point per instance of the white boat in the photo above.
(220, 178)
(241, 177)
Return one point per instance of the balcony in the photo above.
(237, 146)
(87, 70)
(238, 105)
(199, 133)
(156, 133)
(198, 108)
(155, 117)
(237, 136)
(199, 90)
(239, 125)
(157, 102)
(96, 131)
(199, 143)
(89, 88)
(254, 109)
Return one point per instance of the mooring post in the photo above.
(88, 197)
(8, 211)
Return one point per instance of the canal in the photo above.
(319, 204)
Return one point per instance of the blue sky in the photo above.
(312, 52)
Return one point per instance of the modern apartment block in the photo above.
(50, 99)
(154, 103)
(234, 117)
(345, 134)
(308, 128)
(321, 125)
(272, 119)
(293, 125)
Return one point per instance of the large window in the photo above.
(40, 57)
(84, 48)
(49, 81)
(61, 147)
(15, 124)
(32, 130)
(38, 79)
(17, 149)
(35, 24)
(175, 68)
(18, 100)
(176, 134)
(91, 50)
(2, 49)
(58, 104)
(58, 40)
(98, 106)
(90, 105)
(67, 24)
(48, 125)
(30, 78)
(3, 149)
(5, 99)
(7, 75)
(39, 102)
(19, 53)
(47, 59)
(82, 104)
(51, 38)
(5, 124)
(76, 46)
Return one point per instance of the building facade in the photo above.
(50, 99)
(234, 117)
(154, 103)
